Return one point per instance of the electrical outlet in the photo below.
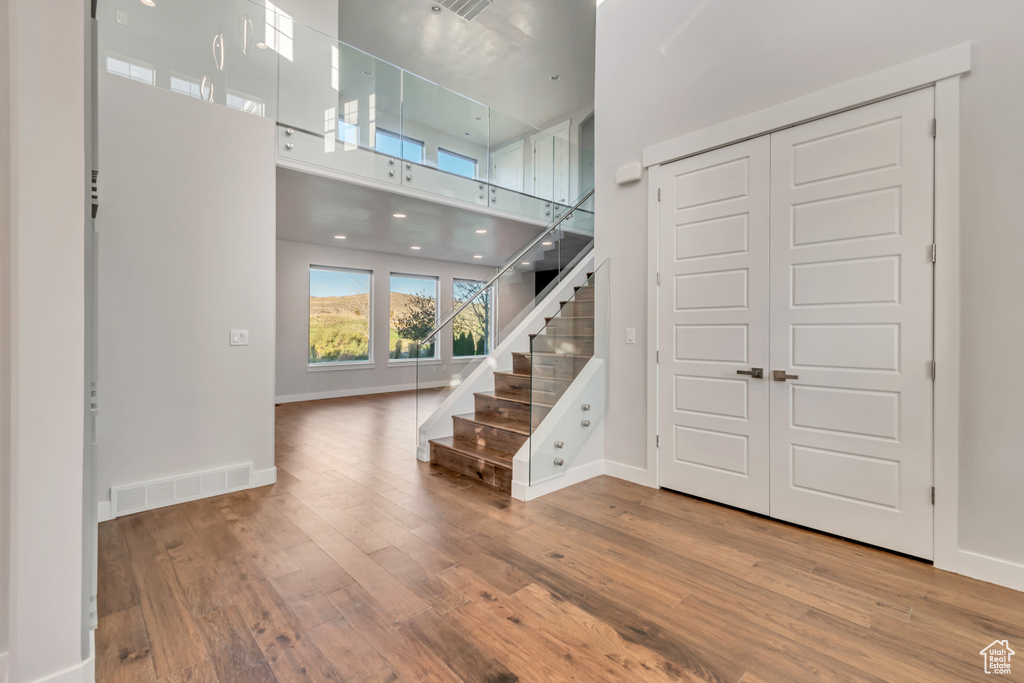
(239, 337)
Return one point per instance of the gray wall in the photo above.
(667, 67)
(5, 327)
(186, 253)
(295, 380)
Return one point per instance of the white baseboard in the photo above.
(265, 477)
(637, 475)
(3, 667)
(521, 491)
(990, 569)
(103, 511)
(345, 393)
(84, 672)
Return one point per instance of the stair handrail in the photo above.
(506, 267)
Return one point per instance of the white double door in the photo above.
(805, 255)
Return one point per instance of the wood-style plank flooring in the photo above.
(362, 564)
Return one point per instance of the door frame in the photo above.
(941, 70)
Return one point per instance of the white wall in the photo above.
(47, 205)
(295, 380)
(186, 253)
(5, 332)
(670, 67)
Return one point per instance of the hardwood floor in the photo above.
(362, 564)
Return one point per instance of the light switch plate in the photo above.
(631, 335)
(239, 337)
(121, 17)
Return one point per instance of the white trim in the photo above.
(552, 130)
(991, 569)
(127, 499)
(895, 80)
(401, 362)
(3, 666)
(636, 475)
(103, 512)
(83, 672)
(651, 395)
(521, 491)
(393, 188)
(946, 426)
(267, 477)
(344, 393)
(352, 365)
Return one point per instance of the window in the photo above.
(413, 315)
(471, 329)
(186, 86)
(279, 31)
(339, 315)
(456, 163)
(395, 145)
(143, 73)
(246, 103)
(348, 125)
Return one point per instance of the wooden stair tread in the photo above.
(514, 426)
(564, 380)
(523, 401)
(550, 354)
(488, 455)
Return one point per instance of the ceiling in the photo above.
(503, 58)
(314, 209)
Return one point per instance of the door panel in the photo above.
(851, 316)
(713, 314)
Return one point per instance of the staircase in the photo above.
(485, 441)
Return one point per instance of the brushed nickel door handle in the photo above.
(756, 373)
(781, 376)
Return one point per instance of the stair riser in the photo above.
(584, 293)
(482, 435)
(520, 364)
(539, 413)
(509, 386)
(549, 396)
(575, 309)
(491, 475)
(570, 328)
(547, 343)
(558, 367)
(493, 407)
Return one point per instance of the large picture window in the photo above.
(339, 315)
(413, 315)
(456, 163)
(471, 329)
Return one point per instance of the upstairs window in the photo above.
(456, 163)
(400, 146)
(339, 315)
(136, 71)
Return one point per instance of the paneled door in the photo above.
(851, 324)
(713, 325)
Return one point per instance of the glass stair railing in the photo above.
(568, 355)
(483, 317)
(343, 110)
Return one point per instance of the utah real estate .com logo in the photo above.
(997, 657)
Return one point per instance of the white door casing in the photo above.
(851, 316)
(714, 322)
(551, 163)
(507, 166)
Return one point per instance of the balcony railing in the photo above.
(342, 109)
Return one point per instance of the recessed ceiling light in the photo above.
(415, 248)
(367, 73)
(546, 244)
(555, 77)
(398, 215)
(435, 8)
(478, 118)
(480, 232)
(526, 263)
(340, 237)
(469, 134)
(261, 45)
(148, 3)
(478, 256)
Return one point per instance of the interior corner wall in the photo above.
(666, 68)
(186, 229)
(296, 380)
(5, 330)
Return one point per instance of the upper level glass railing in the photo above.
(341, 109)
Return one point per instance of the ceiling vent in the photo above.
(467, 9)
